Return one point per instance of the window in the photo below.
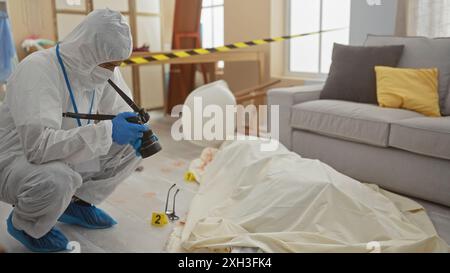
(212, 23)
(312, 54)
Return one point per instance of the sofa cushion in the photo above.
(421, 52)
(352, 72)
(409, 88)
(426, 136)
(358, 122)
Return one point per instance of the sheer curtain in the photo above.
(429, 18)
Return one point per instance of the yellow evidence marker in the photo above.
(159, 219)
(190, 177)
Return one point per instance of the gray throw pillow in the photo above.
(352, 73)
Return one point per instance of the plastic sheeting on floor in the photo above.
(280, 202)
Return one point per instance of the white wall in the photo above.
(366, 19)
(277, 29)
(244, 21)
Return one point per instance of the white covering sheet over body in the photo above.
(280, 202)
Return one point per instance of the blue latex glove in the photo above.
(125, 132)
(86, 216)
(53, 241)
(137, 147)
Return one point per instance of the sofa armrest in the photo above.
(294, 95)
(285, 98)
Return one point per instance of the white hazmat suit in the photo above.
(46, 159)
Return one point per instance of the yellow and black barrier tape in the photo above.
(204, 51)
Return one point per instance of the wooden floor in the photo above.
(133, 202)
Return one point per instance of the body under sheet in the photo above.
(279, 202)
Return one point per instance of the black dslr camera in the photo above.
(150, 145)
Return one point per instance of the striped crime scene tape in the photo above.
(204, 51)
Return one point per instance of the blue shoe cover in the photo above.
(86, 216)
(53, 241)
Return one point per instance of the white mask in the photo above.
(101, 75)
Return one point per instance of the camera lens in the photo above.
(149, 147)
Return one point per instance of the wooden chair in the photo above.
(250, 96)
(255, 92)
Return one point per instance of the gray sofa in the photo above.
(399, 150)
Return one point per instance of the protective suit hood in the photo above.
(104, 36)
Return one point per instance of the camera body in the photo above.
(149, 147)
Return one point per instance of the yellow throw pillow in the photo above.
(412, 89)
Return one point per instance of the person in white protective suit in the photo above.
(54, 168)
